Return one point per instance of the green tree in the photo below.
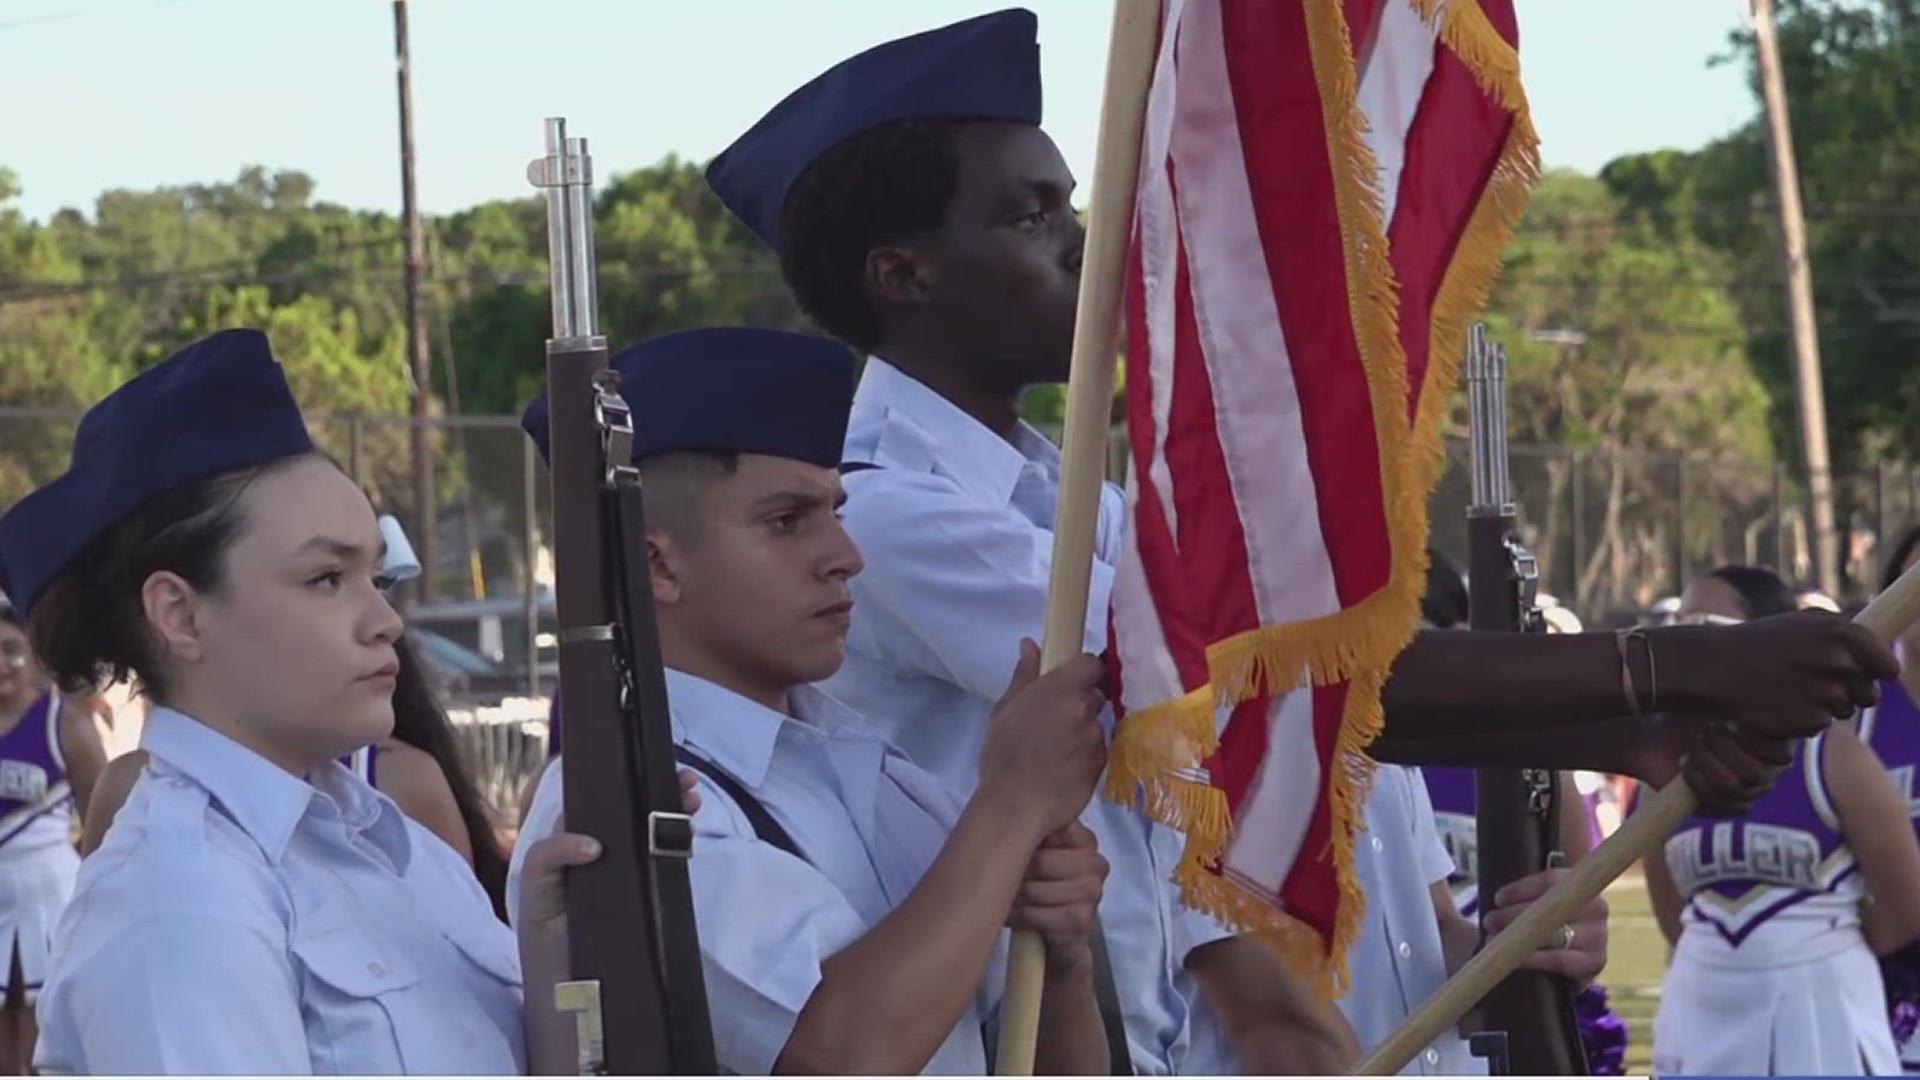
(49, 361)
(333, 376)
(1621, 339)
(1852, 71)
(670, 257)
(30, 258)
(1853, 84)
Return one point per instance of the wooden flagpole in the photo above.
(1083, 452)
(1886, 618)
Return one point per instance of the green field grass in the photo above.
(1636, 967)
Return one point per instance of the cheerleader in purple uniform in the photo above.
(1893, 730)
(50, 754)
(1774, 969)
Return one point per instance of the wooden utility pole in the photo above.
(426, 508)
(1808, 393)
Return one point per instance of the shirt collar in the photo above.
(266, 801)
(365, 810)
(921, 430)
(739, 734)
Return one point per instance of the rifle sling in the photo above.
(765, 828)
(663, 864)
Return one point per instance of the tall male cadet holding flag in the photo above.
(960, 500)
(922, 216)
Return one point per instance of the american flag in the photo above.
(1325, 190)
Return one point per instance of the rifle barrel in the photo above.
(565, 174)
(1492, 484)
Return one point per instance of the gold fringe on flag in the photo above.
(1470, 276)
(1157, 753)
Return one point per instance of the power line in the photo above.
(1757, 214)
(1677, 281)
(21, 291)
(240, 273)
(41, 20)
(186, 274)
(69, 16)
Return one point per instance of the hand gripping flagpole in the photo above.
(1887, 617)
(1083, 452)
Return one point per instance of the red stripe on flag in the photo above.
(1363, 18)
(1277, 99)
(1160, 558)
(1452, 149)
(1501, 14)
(1243, 749)
(1212, 541)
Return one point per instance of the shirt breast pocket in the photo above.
(355, 1004)
(491, 948)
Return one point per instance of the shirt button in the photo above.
(1377, 845)
(1433, 1057)
(1405, 950)
(376, 970)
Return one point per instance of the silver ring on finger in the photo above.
(1566, 936)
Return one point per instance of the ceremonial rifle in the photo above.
(637, 992)
(1889, 615)
(1531, 1027)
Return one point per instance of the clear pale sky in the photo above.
(98, 94)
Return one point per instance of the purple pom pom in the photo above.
(1906, 1018)
(1602, 1032)
(1901, 972)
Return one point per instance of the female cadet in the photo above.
(419, 766)
(257, 908)
(1893, 730)
(1773, 968)
(50, 753)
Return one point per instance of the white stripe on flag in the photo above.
(1255, 403)
(1159, 261)
(1147, 672)
(1272, 821)
(1397, 69)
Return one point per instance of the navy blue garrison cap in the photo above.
(220, 404)
(731, 390)
(985, 68)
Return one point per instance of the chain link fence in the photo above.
(1616, 532)
(1613, 532)
(482, 624)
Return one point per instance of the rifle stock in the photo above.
(632, 947)
(1529, 1016)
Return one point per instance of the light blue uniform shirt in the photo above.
(956, 526)
(1397, 962)
(240, 920)
(868, 822)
